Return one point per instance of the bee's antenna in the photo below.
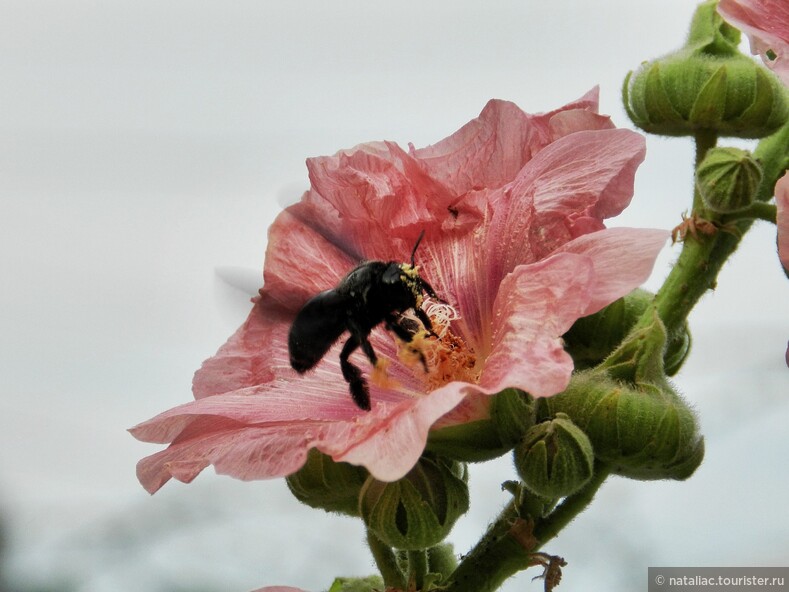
(413, 253)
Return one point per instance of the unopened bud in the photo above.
(728, 179)
(643, 433)
(419, 510)
(706, 85)
(512, 412)
(328, 485)
(591, 339)
(555, 458)
(368, 584)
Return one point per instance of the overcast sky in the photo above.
(145, 144)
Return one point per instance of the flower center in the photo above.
(441, 356)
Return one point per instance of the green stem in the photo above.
(756, 211)
(502, 552)
(573, 505)
(705, 139)
(386, 561)
(417, 567)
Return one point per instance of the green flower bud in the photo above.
(591, 339)
(727, 179)
(512, 412)
(644, 432)
(419, 510)
(441, 559)
(368, 584)
(328, 485)
(555, 458)
(706, 85)
(474, 441)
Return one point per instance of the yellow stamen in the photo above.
(446, 355)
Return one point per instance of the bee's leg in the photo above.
(352, 374)
(422, 316)
(404, 328)
(397, 326)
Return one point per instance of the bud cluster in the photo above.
(706, 85)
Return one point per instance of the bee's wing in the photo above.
(316, 328)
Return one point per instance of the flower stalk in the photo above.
(516, 535)
(703, 255)
(386, 561)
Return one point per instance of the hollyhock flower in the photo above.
(512, 208)
(766, 22)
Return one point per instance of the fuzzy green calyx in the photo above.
(555, 458)
(510, 414)
(707, 85)
(328, 485)
(646, 433)
(368, 584)
(591, 339)
(728, 179)
(419, 510)
(637, 423)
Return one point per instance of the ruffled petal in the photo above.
(488, 152)
(538, 303)
(390, 443)
(374, 200)
(623, 259)
(567, 190)
(766, 22)
(263, 435)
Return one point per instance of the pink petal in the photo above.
(782, 218)
(489, 151)
(294, 246)
(766, 22)
(374, 200)
(257, 437)
(389, 444)
(623, 259)
(279, 589)
(567, 190)
(538, 303)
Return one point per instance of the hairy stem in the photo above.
(386, 561)
(511, 541)
(417, 567)
(573, 505)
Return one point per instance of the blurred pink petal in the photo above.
(782, 219)
(512, 207)
(766, 23)
(278, 589)
(782, 205)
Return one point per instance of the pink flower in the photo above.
(512, 207)
(766, 22)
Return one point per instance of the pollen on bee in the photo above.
(380, 377)
(439, 356)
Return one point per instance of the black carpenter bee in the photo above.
(372, 293)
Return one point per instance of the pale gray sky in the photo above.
(143, 144)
